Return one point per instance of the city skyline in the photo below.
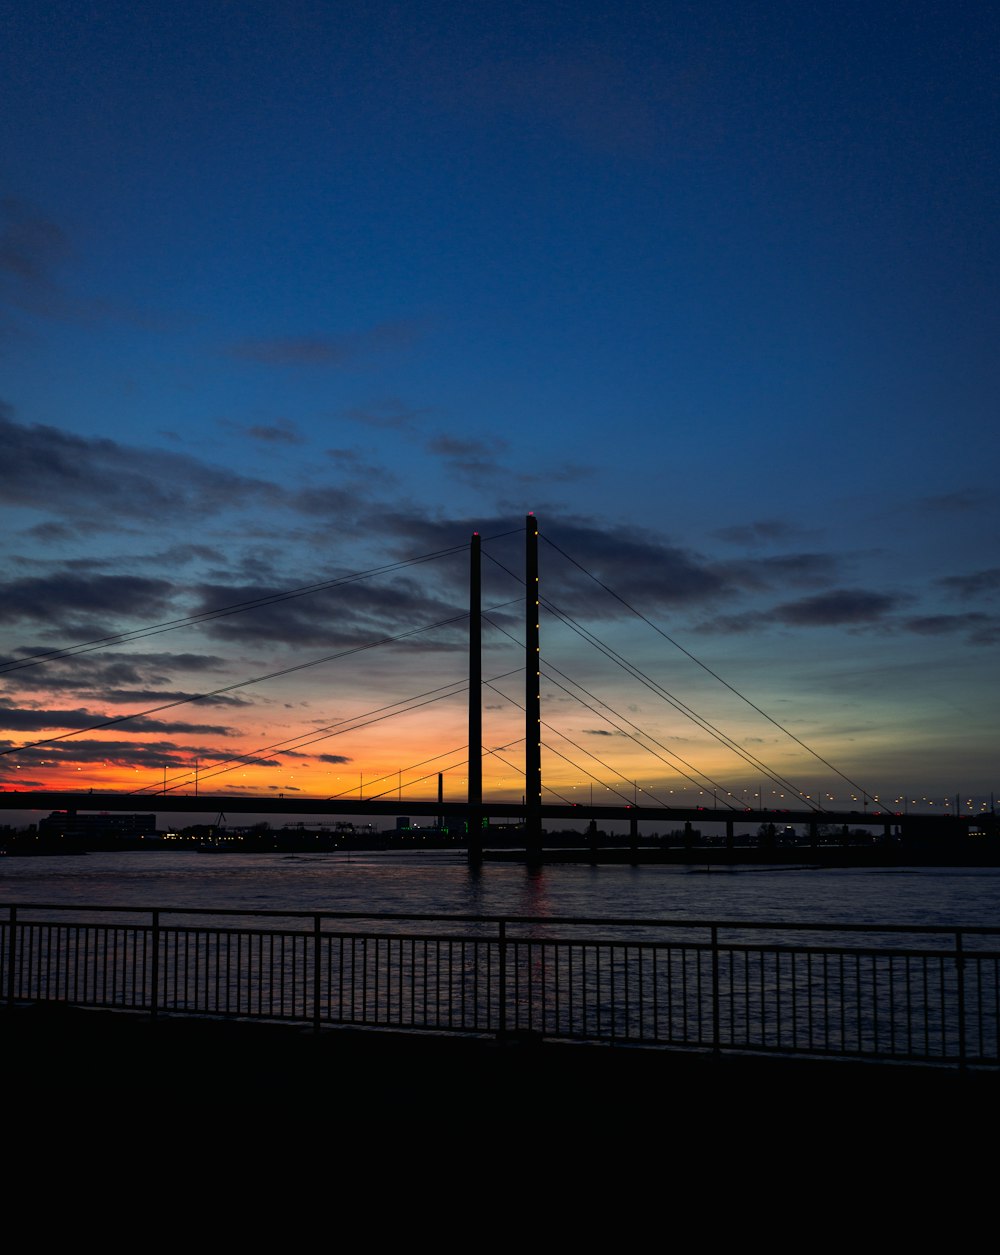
(294, 294)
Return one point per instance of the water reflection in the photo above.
(443, 882)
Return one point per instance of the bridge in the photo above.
(216, 803)
(533, 814)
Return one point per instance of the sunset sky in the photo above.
(295, 291)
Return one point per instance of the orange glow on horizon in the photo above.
(400, 756)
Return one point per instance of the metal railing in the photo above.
(890, 992)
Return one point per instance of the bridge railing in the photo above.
(889, 992)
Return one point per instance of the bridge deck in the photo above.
(213, 804)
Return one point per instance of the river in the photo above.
(442, 882)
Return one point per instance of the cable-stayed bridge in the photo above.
(539, 806)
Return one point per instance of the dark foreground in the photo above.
(64, 1066)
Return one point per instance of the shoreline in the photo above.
(799, 857)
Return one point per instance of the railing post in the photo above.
(960, 972)
(715, 989)
(155, 983)
(502, 1026)
(317, 935)
(11, 948)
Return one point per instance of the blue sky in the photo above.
(294, 290)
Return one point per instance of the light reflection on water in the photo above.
(442, 882)
(876, 993)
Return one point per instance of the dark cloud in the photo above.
(782, 570)
(641, 568)
(85, 690)
(336, 759)
(388, 415)
(837, 608)
(982, 629)
(143, 696)
(357, 472)
(733, 624)
(32, 248)
(181, 662)
(469, 459)
(958, 502)
(761, 531)
(178, 555)
(350, 459)
(406, 529)
(475, 460)
(940, 624)
(978, 584)
(842, 607)
(65, 599)
(279, 432)
(985, 633)
(58, 533)
(102, 481)
(148, 755)
(20, 720)
(328, 350)
(462, 447)
(108, 683)
(119, 669)
(349, 614)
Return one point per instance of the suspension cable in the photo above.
(228, 688)
(302, 739)
(220, 612)
(681, 707)
(699, 783)
(575, 766)
(763, 713)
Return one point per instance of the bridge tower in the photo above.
(475, 817)
(532, 701)
(532, 697)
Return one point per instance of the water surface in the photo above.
(442, 882)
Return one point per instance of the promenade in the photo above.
(68, 1066)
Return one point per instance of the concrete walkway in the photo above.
(65, 1064)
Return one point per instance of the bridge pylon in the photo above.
(475, 767)
(532, 697)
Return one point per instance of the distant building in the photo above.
(68, 825)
